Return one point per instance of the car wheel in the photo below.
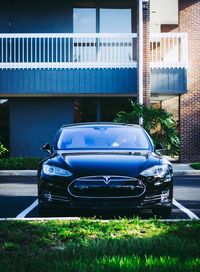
(163, 212)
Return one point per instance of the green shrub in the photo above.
(19, 163)
(196, 165)
(3, 150)
(158, 122)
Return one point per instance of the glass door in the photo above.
(84, 21)
(116, 48)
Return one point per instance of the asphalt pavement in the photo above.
(18, 197)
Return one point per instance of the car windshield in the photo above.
(103, 137)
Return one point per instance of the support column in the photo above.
(143, 52)
(146, 54)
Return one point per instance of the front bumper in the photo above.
(53, 192)
(122, 205)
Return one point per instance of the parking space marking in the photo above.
(190, 214)
(28, 210)
(185, 210)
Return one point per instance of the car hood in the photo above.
(106, 163)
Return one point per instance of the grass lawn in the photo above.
(196, 165)
(90, 245)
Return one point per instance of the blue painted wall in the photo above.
(21, 16)
(46, 16)
(78, 81)
(89, 81)
(34, 121)
(4, 16)
(168, 81)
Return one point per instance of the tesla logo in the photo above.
(106, 179)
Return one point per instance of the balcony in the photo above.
(67, 51)
(169, 63)
(169, 50)
(99, 63)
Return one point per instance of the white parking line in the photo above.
(28, 210)
(176, 203)
(185, 210)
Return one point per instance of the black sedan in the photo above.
(104, 165)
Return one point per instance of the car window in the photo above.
(103, 138)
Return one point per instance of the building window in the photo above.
(110, 106)
(84, 20)
(115, 20)
(103, 20)
(100, 109)
(85, 110)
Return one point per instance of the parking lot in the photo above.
(18, 198)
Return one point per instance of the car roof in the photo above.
(108, 124)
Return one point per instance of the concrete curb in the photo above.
(18, 173)
(78, 218)
(33, 173)
(185, 173)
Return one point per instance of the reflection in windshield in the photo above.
(103, 137)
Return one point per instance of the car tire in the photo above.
(164, 212)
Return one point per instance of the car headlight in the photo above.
(156, 171)
(55, 171)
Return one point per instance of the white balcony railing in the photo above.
(62, 51)
(102, 50)
(169, 50)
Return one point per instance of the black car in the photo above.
(104, 165)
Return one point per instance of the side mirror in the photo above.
(160, 149)
(48, 148)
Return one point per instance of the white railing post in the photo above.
(185, 50)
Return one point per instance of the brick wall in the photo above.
(189, 21)
(172, 105)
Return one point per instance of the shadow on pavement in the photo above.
(99, 214)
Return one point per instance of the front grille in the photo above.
(106, 187)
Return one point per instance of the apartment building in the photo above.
(78, 61)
